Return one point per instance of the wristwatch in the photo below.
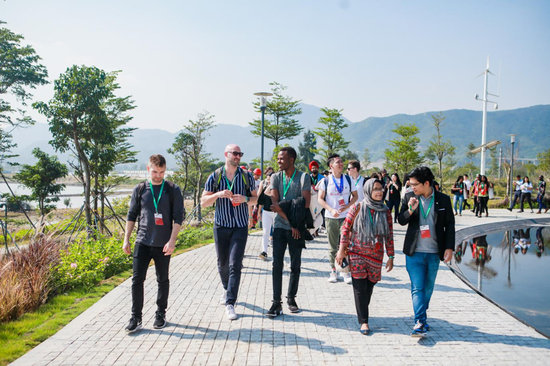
(247, 199)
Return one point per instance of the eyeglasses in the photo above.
(236, 153)
(350, 168)
(378, 189)
(415, 184)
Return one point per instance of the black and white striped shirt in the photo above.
(226, 214)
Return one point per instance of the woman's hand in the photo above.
(389, 265)
(340, 256)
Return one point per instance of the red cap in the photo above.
(257, 171)
(312, 164)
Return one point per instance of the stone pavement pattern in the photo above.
(467, 329)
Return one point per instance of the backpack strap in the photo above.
(217, 178)
(141, 188)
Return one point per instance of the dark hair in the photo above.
(325, 172)
(290, 151)
(466, 175)
(526, 177)
(518, 176)
(405, 177)
(268, 169)
(481, 179)
(398, 180)
(379, 181)
(157, 160)
(269, 174)
(458, 179)
(356, 164)
(422, 174)
(331, 158)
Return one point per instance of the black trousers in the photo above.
(526, 196)
(482, 205)
(517, 196)
(281, 239)
(230, 245)
(362, 291)
(142, 257)
(476, 205)
(391, 204)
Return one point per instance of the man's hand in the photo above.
(169, 248)
(238, 198)
(295, 233)
(224, 194)
(448, 255)
(413, 202)
(126, 247)
(335, 212)
(389, 265)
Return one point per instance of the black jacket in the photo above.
(444, 223)
(298, 216)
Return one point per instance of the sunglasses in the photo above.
(236, 153)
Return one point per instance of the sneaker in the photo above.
(347, 277)
(275, 310)
(223, 298)
(532, 211)
(263, 255)
(520, 211)
(292, 306)
(426, 327)
(134, 325)
(160, 320)
(332, 278)
(509, 209)
(418, 330)
(230, 311)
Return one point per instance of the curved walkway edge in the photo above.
(466, 328)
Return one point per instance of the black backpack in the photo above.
(169, 189)
(247, 181)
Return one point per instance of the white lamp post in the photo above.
(263, 105)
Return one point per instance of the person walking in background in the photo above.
(517, 192)
(158, 206)
(467, 186)
(288, 186)
(394, 194)
(231, 189)
(354, 168)
(406, 186)
(474, 192)
(268, 216)
(482, 197)
(541, 191)
(430, 238)
(526, 189)
(336, 194)
(367, 229)
(458, 192)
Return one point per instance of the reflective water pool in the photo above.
(512, 268)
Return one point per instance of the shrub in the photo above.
(85, 262)
(193, 236)
(25, 277)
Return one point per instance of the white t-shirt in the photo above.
(358, 183)
(333, 196)
(468, 185)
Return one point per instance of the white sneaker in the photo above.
(223, 298)
(230, 311)
(347, 277)
(332, 278)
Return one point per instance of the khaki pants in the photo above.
(333, 233)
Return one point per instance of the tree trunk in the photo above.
(197, 198)
(87, 181)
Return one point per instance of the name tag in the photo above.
(158, 219)
(341, 201)
(425, 232)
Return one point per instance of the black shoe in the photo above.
(160, 320)
(276, 310)
(292, 306)
(509, 209)
(134, 325)
(263, 255)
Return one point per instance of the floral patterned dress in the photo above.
(365, 258)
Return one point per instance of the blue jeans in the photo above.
(458, 199)
(422, 269)
(540, 200)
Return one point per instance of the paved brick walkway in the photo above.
(467, 329)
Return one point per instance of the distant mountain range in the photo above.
(531, 125)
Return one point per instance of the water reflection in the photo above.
(508, 268)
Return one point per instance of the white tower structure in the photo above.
(484, 123)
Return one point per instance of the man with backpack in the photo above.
(336, 195)
(158, 206)
(232, 190)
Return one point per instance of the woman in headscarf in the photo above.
(367, 229)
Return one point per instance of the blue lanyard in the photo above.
(341, 188)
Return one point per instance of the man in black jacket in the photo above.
(430, 238)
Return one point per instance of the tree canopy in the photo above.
(403, 154)
(331, 134)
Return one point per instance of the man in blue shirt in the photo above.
(232, 190)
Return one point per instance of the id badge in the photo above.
(425, 232)
(341, 201)
(158, 219)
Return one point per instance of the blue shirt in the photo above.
(226, 214)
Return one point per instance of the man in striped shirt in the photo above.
(227, 188)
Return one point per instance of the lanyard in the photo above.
(371, 219)
(155, 201)
(429, 207)
(341, 188)
(315, 179)
(357, 181)
(285, 186)
(227, 180)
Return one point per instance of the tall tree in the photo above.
(20, 71)
(544, 161)
(82, 122)
(438, 148)
(331, 134)
(41, 179)
(365, 159)
(403, 154)
(306, 149)
(281, 108)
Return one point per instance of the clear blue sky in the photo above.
(370, 58)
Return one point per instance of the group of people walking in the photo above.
(523, 190)
(357, 216)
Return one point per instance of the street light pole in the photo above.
(512, 141)
(263, 106)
